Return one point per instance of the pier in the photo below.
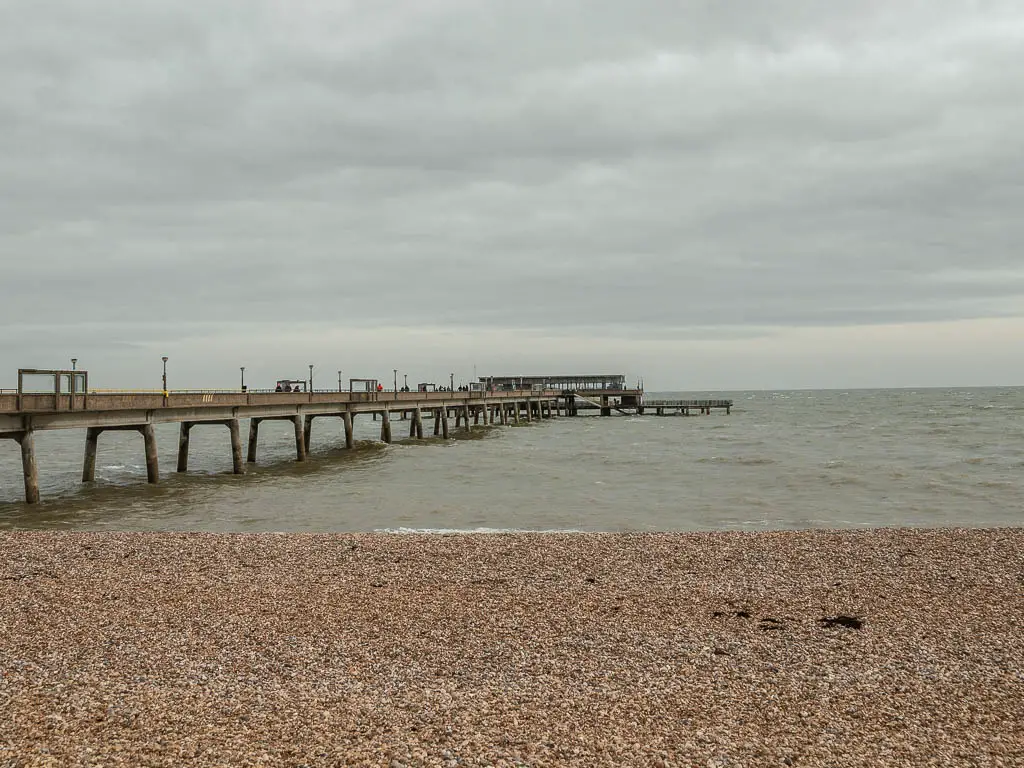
(61, 399)
(70, 405)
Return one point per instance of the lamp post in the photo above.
(242, 368)
(339, 381)
(74, 363)
(405, 384)
(310, 377)
(164, 358)
(396, 380)
(451, 382)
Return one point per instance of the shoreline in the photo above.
(405, 648)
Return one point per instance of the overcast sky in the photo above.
(710, 195)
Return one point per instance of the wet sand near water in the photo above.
(875, 647)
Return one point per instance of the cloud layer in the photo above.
(645, 170)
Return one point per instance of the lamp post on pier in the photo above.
(74, 363)
(310, 377)
(451, 382)
(396, 380)
(339, 381)
(405, 385)
(164, 358)
(242, 368)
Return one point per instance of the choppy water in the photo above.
(781, 460)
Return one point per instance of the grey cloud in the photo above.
(510, 164)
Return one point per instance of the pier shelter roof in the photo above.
(573, 382)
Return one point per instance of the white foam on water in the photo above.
(443, 531)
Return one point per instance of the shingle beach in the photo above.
(866, 648)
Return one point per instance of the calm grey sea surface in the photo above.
(782, 460)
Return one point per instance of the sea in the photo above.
(780, 460)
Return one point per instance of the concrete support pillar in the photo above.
(152, 467)
(458, 417)
(350, 440)
(444, 423)
(307, 432)
(237, 465)
(416, 426)
(515, 411)
(92, 438)
(476, 416)
(529, 411)
(254, 438)
(465, 417)
(300, 439)
(28, 466)
(385, 427)
(437, 422)
(183, 435)
(503, 413)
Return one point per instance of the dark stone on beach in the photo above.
(591, 580)
(849, 622)
(742, 614)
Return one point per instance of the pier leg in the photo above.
(183, 434)
(92, 438)
(504, 413)
(418, 416)
(476, 416)
(458, 417)
(385, 426)
(465, 417)
(300, 439)
(152, 467)
(515, 411)
(437, 422)
(307, 434)
(529, 411)
(254, 438)
(444, 423)
(237, 465)
(28, 467)
(350, 439)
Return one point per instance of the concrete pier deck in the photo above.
(23, 414)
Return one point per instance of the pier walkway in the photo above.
(23, 414)
(64, 401)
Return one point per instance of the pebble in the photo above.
(513, 649)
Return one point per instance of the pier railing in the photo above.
(114, 400)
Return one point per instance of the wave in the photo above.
(448, 531)
(743, 461)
